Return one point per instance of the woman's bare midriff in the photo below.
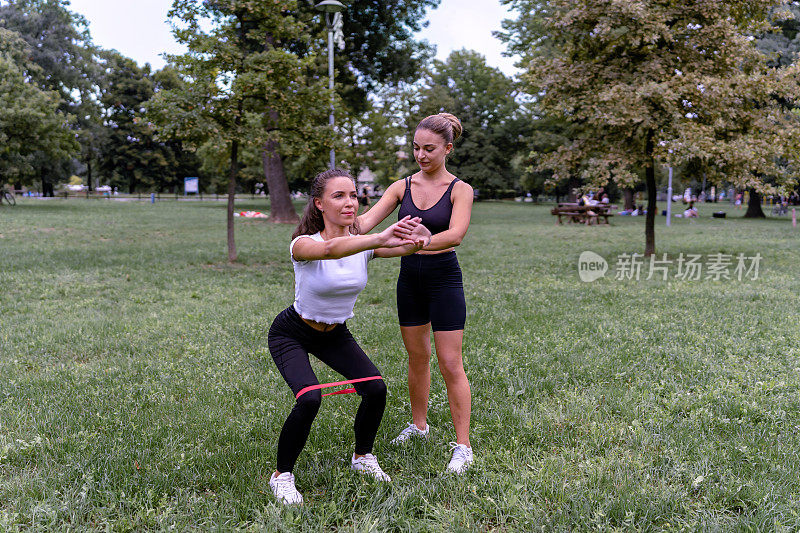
(319, 326)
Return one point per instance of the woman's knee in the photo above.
(373, 389)
(419, 360)
(452, 367)
(309, 403)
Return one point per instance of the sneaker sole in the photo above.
(370, 474)
(395, 441)
(461, 470)
(284, 501)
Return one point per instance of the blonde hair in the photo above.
(447, 126)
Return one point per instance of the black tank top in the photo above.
(437, 217)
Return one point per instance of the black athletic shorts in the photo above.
(430, 289)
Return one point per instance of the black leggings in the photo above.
(290, 341)
(429, 289)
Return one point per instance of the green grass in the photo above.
(137, 391)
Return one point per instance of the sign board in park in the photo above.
(191, 185)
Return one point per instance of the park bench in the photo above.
(583, 214)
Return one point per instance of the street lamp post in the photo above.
(331, 8)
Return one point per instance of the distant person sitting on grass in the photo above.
(691, 211)
(330, 268)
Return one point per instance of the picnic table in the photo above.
(583, 214)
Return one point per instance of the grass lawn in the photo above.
(137, 391)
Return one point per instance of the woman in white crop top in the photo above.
(330, 265)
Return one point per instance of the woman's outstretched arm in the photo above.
(338, 247)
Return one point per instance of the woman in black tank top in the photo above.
(435, 218)
(430, 292)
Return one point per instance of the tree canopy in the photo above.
(60, 45)
(488, 103)
(642, 82)
(31, 126)
(243, 86)
(130, 157)
(782, 45)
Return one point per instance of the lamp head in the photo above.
(330, 6)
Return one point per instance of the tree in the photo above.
(486, 101)
(546, 135)
(379, 48)
(659, 81)
(59, 43)
(129, 155)
(379, 51)
(181, 162)
(375, 138)
(782, 45)
(781, 48)
(127, 159)
(215, 163)
(30, 124)
(243, 87)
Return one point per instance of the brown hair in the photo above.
(311, 221)
(447, 126)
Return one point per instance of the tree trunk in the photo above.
(754, 206)
(628, 195)
(47, 188)
(280, 201)
(234, 170)
(89, 173)
(281, 208)
(572, 184)
(650, 220)
(704, 186)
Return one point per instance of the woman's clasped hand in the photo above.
(407, 231)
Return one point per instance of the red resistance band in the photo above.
(336, 384)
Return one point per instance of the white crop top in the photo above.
(325, 290)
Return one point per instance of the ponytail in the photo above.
(447, 126)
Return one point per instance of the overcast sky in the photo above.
(138, 28)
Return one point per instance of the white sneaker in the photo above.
(283, 488)
(369, 465)
(462, 457)
(411, 431)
